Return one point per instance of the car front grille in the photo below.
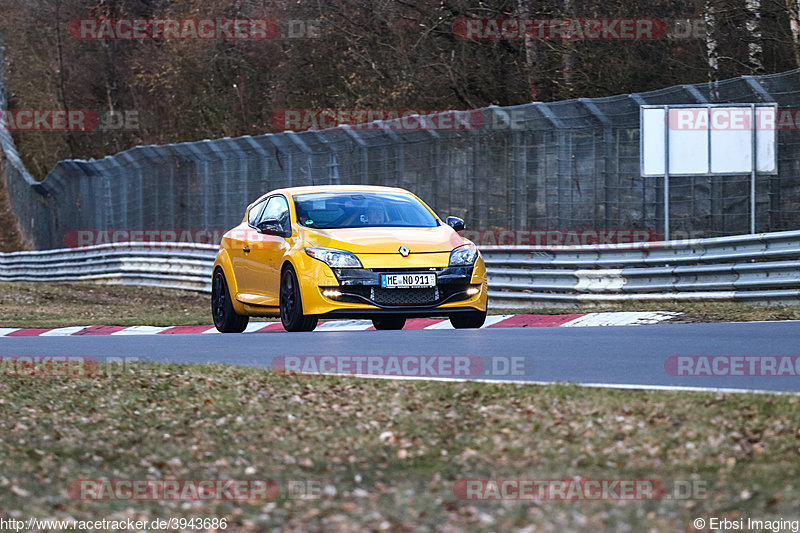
(404, 296)
(363, 286)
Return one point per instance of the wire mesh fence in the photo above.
(571, 165)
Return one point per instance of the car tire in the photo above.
(470, 319)
(291, 304)
(389, 323)
(226, 319)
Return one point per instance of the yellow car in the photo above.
(340, 251)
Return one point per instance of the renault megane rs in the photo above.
(305, 253)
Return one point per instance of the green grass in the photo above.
(387, 454)
(49, 305)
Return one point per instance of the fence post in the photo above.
(300, 143)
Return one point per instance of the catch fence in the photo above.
(563, 166)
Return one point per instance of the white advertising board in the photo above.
(707, 140)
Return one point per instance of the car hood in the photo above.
(385, 240)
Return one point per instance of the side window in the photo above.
(255, 211)
(277, 209)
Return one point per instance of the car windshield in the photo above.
(329, 210)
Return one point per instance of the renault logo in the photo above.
(404, 251)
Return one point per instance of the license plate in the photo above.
(407, 281)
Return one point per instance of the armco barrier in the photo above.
(755, 268)
(170, 265)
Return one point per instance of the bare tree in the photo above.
(567, 50)
(712, 47)
(523, 8)
(793, 7)
(61, 74)
(755, 47)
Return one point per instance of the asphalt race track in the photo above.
(618, 356)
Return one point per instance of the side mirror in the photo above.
(456, 223)
(272, 227)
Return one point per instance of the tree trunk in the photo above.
(793, 6)
(755, 47)
(524, 11)
(566, 54)
(712, 51)
(61, 83)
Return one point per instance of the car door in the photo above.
(266, 253)
(239, 249)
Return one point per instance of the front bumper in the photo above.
(363, 285)
(357, 292)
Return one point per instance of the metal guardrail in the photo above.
(755, 268)
(170, 265)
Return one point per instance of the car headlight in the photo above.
(334, 258)
(463, 255)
